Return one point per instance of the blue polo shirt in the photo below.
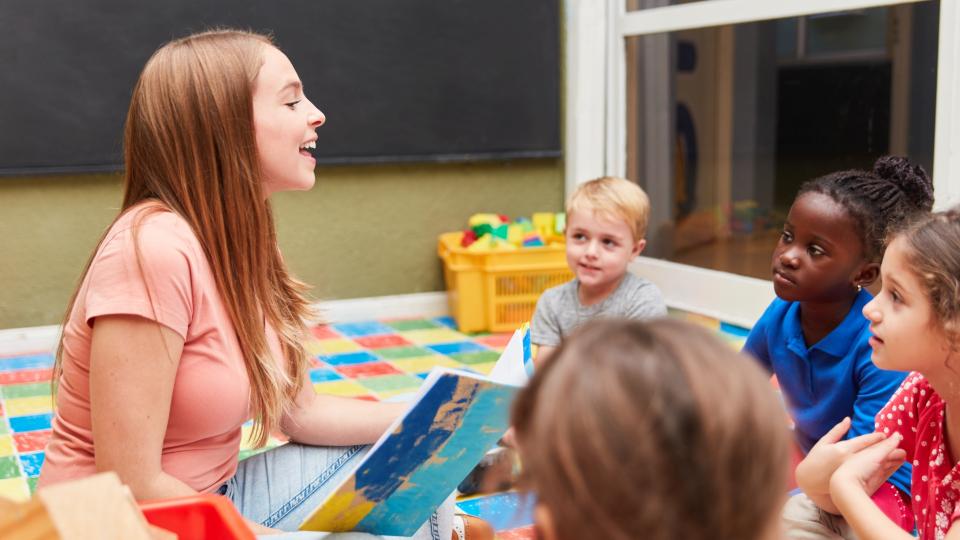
(828, 381)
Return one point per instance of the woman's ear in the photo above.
(543, 521)
(867, 274)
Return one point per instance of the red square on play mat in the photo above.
(368, 369)
(31, 441)
(382, 341)
(25, 376)
(324, 332)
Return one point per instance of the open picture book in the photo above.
(451, 423)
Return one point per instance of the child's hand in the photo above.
(870, 467)
(814, 472)
(509, 439)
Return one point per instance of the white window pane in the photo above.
(725, 123)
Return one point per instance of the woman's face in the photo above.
(285, 123)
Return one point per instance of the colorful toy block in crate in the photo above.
(496, 270)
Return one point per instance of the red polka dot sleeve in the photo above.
(900, 414)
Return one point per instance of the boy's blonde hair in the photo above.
(613, 198)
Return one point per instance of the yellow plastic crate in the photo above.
(497, 291)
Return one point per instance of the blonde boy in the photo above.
(606, 225)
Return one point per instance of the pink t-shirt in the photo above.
(916, 411)
(211, 393)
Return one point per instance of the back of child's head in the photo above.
(653, 430)
(613, 199)
(879, 201)
(932, 250)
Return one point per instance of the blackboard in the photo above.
(399, 80)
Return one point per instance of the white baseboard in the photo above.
(432, 304)
(29, 340)
(721, 295)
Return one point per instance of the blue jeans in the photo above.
(279, 488)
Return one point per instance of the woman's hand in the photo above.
(870, 467)
(814, 472)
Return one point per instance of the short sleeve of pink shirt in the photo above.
(917, 412)
(156, 285)
(151, 265)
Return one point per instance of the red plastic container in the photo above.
(198, 517)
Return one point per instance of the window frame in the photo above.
(596, 125)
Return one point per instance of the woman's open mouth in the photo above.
(307, 149)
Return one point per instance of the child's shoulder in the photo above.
(637, 298)
(639, 289)
(565, 292)
(634, 285)
(914, 396)
(915, 387)
(562, 288)
(776, 312)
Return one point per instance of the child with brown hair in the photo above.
(652, 430)
(914, 321)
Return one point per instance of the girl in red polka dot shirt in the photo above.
(915, 322)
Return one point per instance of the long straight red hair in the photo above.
(189, 146)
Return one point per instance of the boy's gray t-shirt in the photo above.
(559, 310)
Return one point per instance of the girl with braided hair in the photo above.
(814, 339)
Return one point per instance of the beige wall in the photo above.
(362, 231)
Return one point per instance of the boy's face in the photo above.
(599, 250)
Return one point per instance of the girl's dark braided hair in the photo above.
(881, 201)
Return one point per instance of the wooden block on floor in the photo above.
(98, 506)
(28, 519)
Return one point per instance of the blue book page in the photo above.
(418, 463)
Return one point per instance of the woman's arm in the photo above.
(325, 420)
(133, 364)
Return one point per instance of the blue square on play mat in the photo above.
(350, 358)
(734, 330)
(35, 422)
(457, 347)
(31, 463)
(360, 329)
(446, 321)
(503, 511)
(323, 374)
(34, 361)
